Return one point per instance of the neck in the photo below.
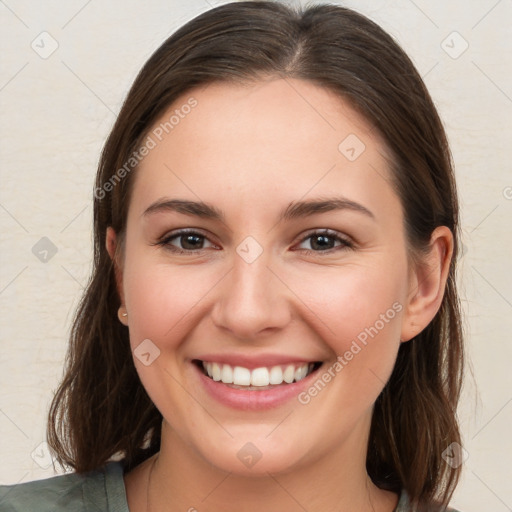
(180, 479)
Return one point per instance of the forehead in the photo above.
(274, 139)
(272, 112)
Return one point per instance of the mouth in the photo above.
(256, 379)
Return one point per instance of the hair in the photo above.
(101, 410)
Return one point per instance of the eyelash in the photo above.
(345, 242)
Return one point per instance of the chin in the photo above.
(254, 458)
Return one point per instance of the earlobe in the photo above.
(428, 284)
(122, 314)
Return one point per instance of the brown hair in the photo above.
(101, 409)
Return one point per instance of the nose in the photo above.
(252, 301)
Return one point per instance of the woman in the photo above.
(272, 321)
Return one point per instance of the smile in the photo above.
(239, 377)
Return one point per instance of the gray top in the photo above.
(101, 490)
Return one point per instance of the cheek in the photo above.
(351, 299)
(163, 302)
(160, 298)
(358, 314)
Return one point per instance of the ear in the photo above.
(111, 242)
(428, 283)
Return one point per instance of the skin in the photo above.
(251, 151)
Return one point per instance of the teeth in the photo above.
(300, 372)
(216, 372)
(227, 374)
(241, 376)
(276, 375)
(259, 377)
(289, 374)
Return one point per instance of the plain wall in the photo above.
(57, 109)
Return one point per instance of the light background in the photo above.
(57, 111)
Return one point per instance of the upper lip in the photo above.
(255, 361)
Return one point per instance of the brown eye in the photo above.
(191, 241)
(185, 242)
(323, 241)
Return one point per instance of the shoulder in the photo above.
(404, 505)
(98, 490)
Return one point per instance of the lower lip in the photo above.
(251, 400)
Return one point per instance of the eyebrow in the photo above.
(294, 210)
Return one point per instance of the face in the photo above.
(264, 246)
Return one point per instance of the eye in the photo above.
(188, 241)
(185, 242)
(325, 241)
